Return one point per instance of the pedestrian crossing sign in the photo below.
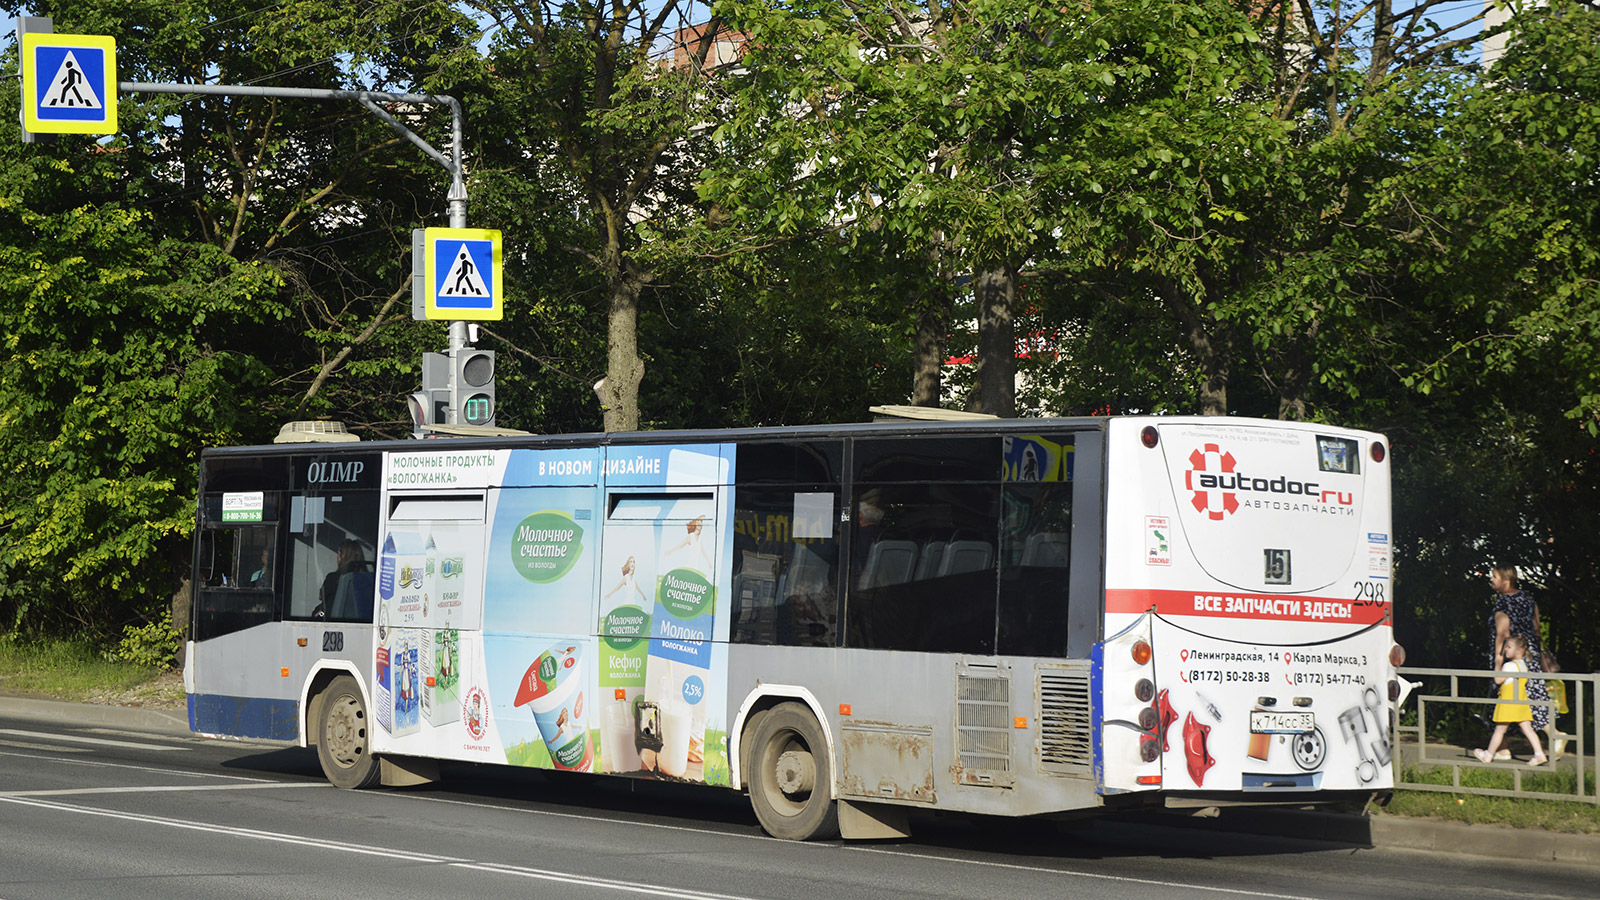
(462, 276)
(69, 83)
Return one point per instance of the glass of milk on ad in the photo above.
(552, 689)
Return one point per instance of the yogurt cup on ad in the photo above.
(552, 689)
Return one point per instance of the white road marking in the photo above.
(75, 739)
(165, 788)
(176, 773)
(632, 887)
(230, 831)
(24, 745)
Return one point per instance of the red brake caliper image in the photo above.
(1194, 748)
(1168, 716)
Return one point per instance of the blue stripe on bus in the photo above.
(251, 717)
(1097, 660)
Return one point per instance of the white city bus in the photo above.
(1002, 617)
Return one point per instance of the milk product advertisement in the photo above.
(599, 643)
(1249, 548)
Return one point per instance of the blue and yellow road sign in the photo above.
(463, 275)
(69, 83)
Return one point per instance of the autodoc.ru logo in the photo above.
(1216, 483)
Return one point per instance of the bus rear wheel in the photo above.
(791, 788)
(344, 744)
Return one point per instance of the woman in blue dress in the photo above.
(1516, 613)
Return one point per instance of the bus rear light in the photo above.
(1394, 691)
(1378, 451)
(1148, 779)
(1397, 656)
(1148, 751)
(1141, 652)
(1145, 690)
(1149, 719)
(1149, 437)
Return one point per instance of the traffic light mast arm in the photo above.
(369, 99)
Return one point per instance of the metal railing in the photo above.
(1418, 748)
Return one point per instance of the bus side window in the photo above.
(237, 572)
(332, 545)
(786, 543)
(785, 578)
(1035, 563)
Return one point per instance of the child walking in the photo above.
(1513, 705)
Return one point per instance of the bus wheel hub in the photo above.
(797, 772)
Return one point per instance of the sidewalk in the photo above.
(1379, 830)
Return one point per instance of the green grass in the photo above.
(75, 672)
(1509, 812)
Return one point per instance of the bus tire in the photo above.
(344, 739)
(791, 788)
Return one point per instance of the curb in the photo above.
(161, 720)
(1485, 840)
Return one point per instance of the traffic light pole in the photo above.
(452, 162)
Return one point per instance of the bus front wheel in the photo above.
(344, 744)
(791, 787)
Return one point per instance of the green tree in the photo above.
(595, 105)
(219, 266)
(994, 137)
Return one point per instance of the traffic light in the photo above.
(431, 405)
(473, 387)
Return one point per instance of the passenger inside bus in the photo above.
(347, 591)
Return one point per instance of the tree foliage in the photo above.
(1299, 210)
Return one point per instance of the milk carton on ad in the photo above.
(441, 654)
(383, 688)
(406, 682)
(679, 664)
(406, 571)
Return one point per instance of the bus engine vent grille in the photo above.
(1065, 720)
(983, 726)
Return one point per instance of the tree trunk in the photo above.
(996, 389)
(619, 390)
(932, 324)
(1214, 365)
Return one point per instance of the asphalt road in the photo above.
(94, 810)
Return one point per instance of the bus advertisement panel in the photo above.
(1256, 558)
(565, 651)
